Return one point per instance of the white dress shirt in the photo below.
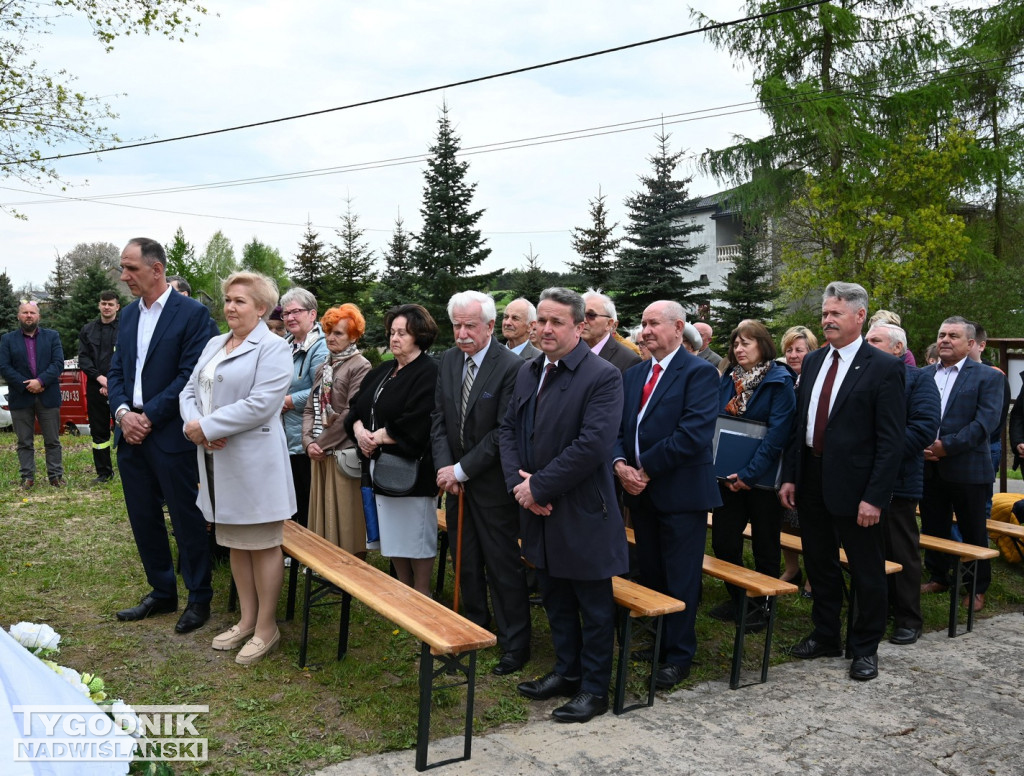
(846, 356)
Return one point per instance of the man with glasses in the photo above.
(599, 331)
(309, 350)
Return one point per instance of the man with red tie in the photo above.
(840, 467)
(663, 460)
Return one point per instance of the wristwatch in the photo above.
(120, 414)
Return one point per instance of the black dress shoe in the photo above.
(670, 675)
(582, 708)
(510, 663)
(194, 616)
(905, 635)
(148, 606)
(549, 686)
(808, 649)
(864, 668)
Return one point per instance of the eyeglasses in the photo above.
(293, 313)
(592, 316)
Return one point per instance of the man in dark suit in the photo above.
(31, 360)
(663, 460)
(518, 320)
(899, 519)
(159, 341)
(840, 468)
(599, 331)
(556, 444)
(96, 343)
(474, 385)
(958, 464)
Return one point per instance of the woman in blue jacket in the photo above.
(755, 387)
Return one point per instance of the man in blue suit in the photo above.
(555, 444)
(663, 460)
(31, 360)
(958, 464)
(159, 341)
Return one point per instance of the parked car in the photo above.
(5, 411)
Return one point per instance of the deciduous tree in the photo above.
(260, 257)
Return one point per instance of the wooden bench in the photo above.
(1015, 532)
(635, 600)
(447, 637)
(760, 588)
(967, 557)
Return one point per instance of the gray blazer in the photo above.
(528, 351)
(252, 475)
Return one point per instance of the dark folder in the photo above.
(735, 442)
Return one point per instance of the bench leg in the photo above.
(427, 688)
(442, 560)
(305, 615)
(622, 670)
(737, 647)
(961, 573)
(954, 593)
(973, 571)
(346, 609)
(770, 610)
(293, 583)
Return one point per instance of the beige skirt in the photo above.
(336, 507)
(254, 536)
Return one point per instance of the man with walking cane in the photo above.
(474, 387)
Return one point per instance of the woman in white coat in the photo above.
(231, 407)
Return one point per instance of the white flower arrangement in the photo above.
(37, 638)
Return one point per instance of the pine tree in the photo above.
(596, 247)
(397, 284)
(81, 305)
(659, 250)
(8, 304)
(310, 270)
(353, 261)
(750, 290)
(449, 247)
(529, 282)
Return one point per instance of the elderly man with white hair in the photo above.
(705, 351)
(899, 518)
(518, 321)
(474, 385)
(599, 331)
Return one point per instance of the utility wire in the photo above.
(430, 89)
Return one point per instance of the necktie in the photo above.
(548, 370)
(467, 387)
(821, 416)
(649, 385)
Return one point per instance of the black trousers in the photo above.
(302, 477)
(902, 545)
(941, 499)
(582, 618)
(823, 533)
(761, 508)
(491, 561)
(99, 429)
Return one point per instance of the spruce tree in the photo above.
(8, 305)
(58, 286)
(353, 261)
(311, 268)
(449, 247)
(750, 290)
(397, 283)
(529, 282)
(658, 249)
(182, 261)
(81, 305)
(596, 247)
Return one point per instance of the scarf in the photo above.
(322, 409)
(311, 337)
(745, 384)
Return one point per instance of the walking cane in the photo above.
(458, 551)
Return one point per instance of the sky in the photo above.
(254, 61)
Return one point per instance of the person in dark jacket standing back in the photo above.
(902, 538)
(556, 444)
(96, 343)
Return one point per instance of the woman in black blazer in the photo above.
(391, 413)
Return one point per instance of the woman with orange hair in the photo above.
(335, 501)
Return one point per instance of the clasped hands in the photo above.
(194, 432)
(633, 480)
(524, 496)
(33, 385)
(135, 427)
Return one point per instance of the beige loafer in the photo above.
(233, 638)
(256, 649)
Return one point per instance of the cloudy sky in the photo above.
(262, 60)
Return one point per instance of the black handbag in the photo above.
(394, 475)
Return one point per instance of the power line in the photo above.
(431, 89)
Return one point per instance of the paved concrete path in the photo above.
(941, 707)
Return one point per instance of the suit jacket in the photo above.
(675, 434)
(566, 443)
(865, 431)
(184, 328)
(922, 425)
(618, 355)
(973, 412)
(252, 481)
(488, 400)
(528, 351)
(15, 370)
(348, 376)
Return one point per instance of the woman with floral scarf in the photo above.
(335, 501)
(755, 387)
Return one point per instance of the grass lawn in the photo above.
(67, 558)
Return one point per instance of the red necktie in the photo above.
(548, 370)
(649, 385)
(821, 416)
